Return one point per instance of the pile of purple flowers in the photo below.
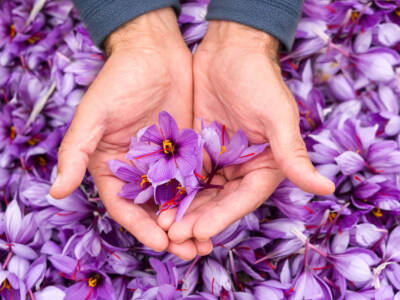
(167, 163)
(344, 74)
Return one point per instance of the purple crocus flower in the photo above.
(137, 187)
(216, 278)
(224, 152)
(19, 232)
(173, 193)
(169, 153)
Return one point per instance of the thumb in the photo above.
(80, 141)
(291, 155)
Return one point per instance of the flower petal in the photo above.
(350, 162)
(124, 171)
(144, 195)
(162, 171)
(168, 126)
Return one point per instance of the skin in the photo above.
(150, 69)
(138, 80)
(254, 98)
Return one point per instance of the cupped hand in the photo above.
(149, 69)
(238, 82)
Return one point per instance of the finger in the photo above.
(183, 230)
(204, 248)
(167, 218)
(131, 216)
(252, 191)
(185, 251)
(291, 155)
(80, 141)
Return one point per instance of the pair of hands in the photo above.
(233, 78)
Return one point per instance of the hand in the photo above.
(149, 69)
(238, 82)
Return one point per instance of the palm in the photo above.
(127, 95)
(132, 83)
(225, 99)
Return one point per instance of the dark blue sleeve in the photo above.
(277, 17)
(102, 17)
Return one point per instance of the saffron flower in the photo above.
(225, 152)
(168, 151)
(137, 185)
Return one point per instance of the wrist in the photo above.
(224, 34)
(155, 27)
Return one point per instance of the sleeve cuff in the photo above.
(103, 17)
(276, 17)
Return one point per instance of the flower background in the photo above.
(344, 73)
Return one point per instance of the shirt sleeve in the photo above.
(102, 17)
(276, 17)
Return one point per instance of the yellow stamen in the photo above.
(13, 32)
(332, 216)
(5, 285)
(41, 161)
(93, 281)
(354, 15)
(33, 39)
(397, 11)
(377, 212)
(121, 229)
(223, 148)
(181, 189)
(144, 181)
(13, 132)
(33, 141)
(167, 146)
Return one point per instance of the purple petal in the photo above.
(130, 190)
(168, 126)
(150, 134)
(144, 195)
(161, 271)
(13, 220)
(250, 153)
(36, 272)
(392, 248)
(77, 291)
(234, 149)
(50, 292)
(162, 171)
(183, 206)
(212, 143)
(350, 162)
(124, 171)
(145, 153)
(388, 34)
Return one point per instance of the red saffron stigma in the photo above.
(357, 178)
(331, 9)
(223, 135)
(199, 176)
(212, 286)
(66, 213)
(322, 268)
(270, 265)
(293, 65)
(289, 291)
(310, 210)
(89, 294)
(310, 226)
(149, 154)
(247, 155)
